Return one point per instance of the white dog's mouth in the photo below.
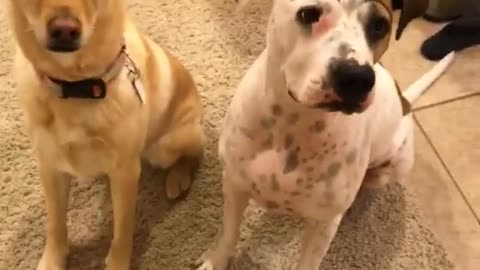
(334, 106)
(344, 107)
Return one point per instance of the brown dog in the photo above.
(98, 96)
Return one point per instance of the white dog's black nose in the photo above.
(64, 33)
(352, 82)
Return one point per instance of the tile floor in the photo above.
(446, 177)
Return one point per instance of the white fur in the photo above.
(415, 90)
(289, 157)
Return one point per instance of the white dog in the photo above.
(327, 118)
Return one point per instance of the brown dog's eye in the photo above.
(308, 15)
(377, 28)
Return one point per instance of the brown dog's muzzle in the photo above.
(64, 32)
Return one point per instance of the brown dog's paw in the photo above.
(117, 258)
(52, 261)
(179, 179)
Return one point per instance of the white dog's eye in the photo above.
(308, 15)
(377, 28)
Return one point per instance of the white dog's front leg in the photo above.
(316, 240)
(235, 203)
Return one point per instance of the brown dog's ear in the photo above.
(410, 10)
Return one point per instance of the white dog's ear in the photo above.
(410, 10)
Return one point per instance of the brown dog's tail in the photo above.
(415, 90)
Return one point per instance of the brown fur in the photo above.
(411, 9)
(382, 45)
(85, 138)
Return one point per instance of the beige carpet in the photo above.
(385, 229)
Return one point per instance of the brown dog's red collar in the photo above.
(89, 88)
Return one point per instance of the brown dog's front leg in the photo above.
(317, 238)
(124, 188)
(56, 188)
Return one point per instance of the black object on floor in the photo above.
(433, 19)
(397, 4)
(455, 36)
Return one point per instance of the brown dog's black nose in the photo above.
(352, 82)
(64, 34)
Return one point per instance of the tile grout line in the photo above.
(444, 102)
(444, 165)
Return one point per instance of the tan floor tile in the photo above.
(406, 64)
(454, 129)
(445, 210)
